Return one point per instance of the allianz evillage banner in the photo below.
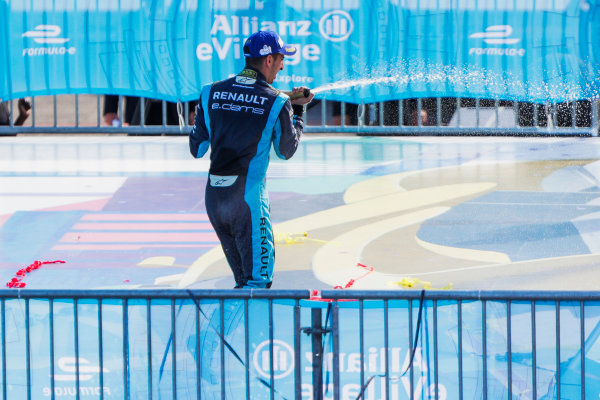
(132, 363)
(360, 50)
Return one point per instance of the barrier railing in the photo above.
(260, 344)
(437, 116)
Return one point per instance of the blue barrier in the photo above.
(349, 50)
(264, 344)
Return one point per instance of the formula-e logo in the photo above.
(67, 385)
(336, 25)
(283, 359)
(46, 34)
(68, 364)
(496, 34)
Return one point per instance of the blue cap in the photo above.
(263, 43)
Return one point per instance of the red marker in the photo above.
(15, 282)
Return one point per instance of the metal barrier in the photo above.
(262, 344)
(433, 116)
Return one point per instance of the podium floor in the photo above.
(361, 212)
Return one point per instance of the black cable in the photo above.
(414, 349)
(323, 347)
(366, 385)
(166, 354)
(230, 347)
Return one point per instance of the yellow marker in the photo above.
(408, 282)
(294, 238)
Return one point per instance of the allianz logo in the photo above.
(281, 355)
(69, 366)
(283, 359)
(46, 34)
(497, 35)
(336, 25)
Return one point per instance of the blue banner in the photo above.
(353, 50)
(209, 351)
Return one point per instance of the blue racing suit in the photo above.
(240, 118)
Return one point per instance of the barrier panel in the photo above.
(438, 116)
(260, 344)
(348, 50)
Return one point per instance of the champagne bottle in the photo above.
(294, 96)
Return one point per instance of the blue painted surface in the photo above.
(524, 225)
(29, 235)
(554, 218)
(315, 185)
